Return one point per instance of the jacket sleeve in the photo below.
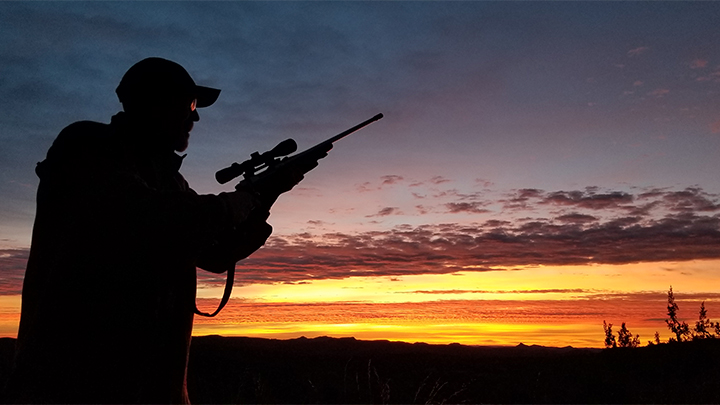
(235, 245)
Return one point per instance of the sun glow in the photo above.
(552, 305)
(555, 306)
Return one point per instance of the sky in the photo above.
(541, 166)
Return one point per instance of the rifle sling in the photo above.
(226, 294)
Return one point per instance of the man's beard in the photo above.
(182, 142)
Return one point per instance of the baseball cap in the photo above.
(153, 77)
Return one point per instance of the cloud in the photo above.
(658, 93)
(588, 199)
(484, 183)
(698, 64)
(544, 291)
(386, 180)
(315, 222)
(467, 207)
(591, 226)
(494, 223)
(520, 198)
(390, 179)
(576, 218)
(711, 77)
(653, 201)
(715, 127)
(385, 212)
(12, 270)
(637, 51)
(691, 199)
(435, 180)
(660, 296)
(365, 187)
(439, 180)
(492, 246)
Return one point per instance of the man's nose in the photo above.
(194, 116)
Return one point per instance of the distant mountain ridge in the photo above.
(346, 370)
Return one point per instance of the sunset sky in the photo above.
(541, 166)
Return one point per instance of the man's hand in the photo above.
(283, 180)
(240, 204)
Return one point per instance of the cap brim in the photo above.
(206, 96)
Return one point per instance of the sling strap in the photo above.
(250, 237)
(225, 297)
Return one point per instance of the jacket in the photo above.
(109, 290)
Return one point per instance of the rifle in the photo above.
(260, 169)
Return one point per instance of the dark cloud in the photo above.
(660, 296)
(494, 223)
(386, 180)
(689, 230)
(452, 247)
(691, 199)
(390, 179)
(468, 207)
(385, 212)
(521, 198)
(544, 291)
(435, 180)
(645, 203)
(588, 199)
(527, 193)
(494, 245)
(576, 218)
(439, 180)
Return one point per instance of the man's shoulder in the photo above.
(82, 143)
(82, 137)
(83, 131)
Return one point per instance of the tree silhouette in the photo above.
(703, 325)
(609, 336)
(680, 329)
(704, 328)
(626, 339)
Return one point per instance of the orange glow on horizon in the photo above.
(528, 283)
(551, 306)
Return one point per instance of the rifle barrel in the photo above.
(353, 129)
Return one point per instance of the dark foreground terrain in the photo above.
(325, 370)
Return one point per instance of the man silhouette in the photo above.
(109, 290)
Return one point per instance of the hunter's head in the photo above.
(161, 95)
